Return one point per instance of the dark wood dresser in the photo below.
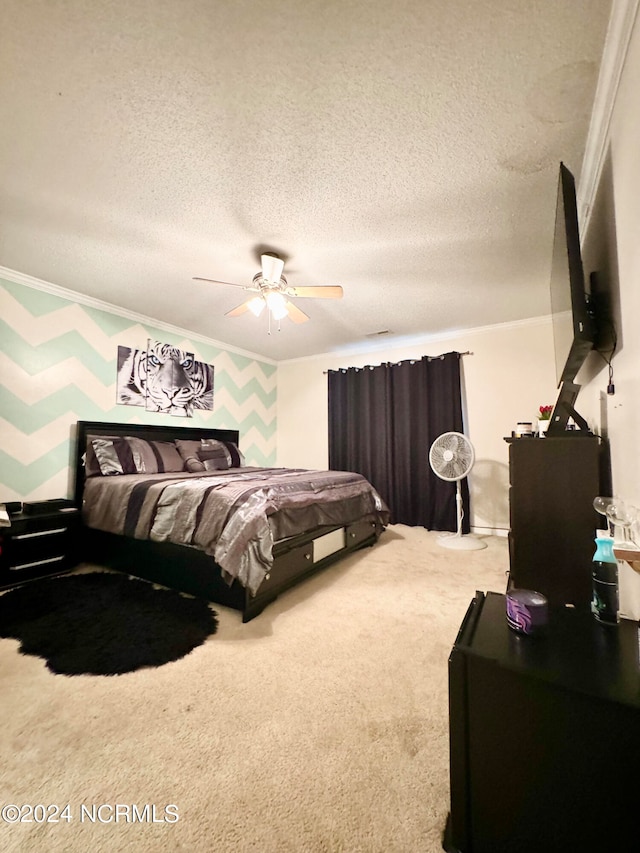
(552, 484)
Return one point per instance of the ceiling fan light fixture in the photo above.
(280, 313)
(256, 305)
(277, 304)
(273, 290)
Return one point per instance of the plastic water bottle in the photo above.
(604, 601)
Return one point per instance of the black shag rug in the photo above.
(103, 624)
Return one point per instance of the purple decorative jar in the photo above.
(527, 611)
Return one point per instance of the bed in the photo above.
(179, 506)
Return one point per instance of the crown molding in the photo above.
(387, 343)
(619, 31)
(100, 305)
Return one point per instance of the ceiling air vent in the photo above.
(378, 334)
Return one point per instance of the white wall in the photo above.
(612, 246)
(509, 374)
(512, 371)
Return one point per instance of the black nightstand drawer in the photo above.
(37, 545)
(27, 548)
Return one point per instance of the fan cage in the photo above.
(451, 456)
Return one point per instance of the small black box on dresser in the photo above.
(39, 544)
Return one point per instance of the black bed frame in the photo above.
(188, 569)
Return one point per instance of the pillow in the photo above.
(131, 455)
(91, 464)
(188, 450)
(167, 458)
(237, 460)
(113, 456)
(213, 455)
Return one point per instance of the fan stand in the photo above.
(458, 541)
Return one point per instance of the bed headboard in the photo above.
(152, 432)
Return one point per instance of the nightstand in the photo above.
(36, 545)
(544, 732)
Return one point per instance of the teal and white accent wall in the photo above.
(58, 355)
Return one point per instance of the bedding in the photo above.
(234, 515)
(190, 504)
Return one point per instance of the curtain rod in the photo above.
(396, 363)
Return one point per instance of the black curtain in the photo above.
(382, 422)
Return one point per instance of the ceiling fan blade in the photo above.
(272, 268)
(295, 313)
(240, 309)
(216, 281)
(329, 292)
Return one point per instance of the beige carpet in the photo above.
(321, 726)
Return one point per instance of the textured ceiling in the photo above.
(407, 151)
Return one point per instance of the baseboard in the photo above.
(490, 531)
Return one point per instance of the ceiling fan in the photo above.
(274, 291)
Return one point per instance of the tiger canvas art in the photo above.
(165, 379)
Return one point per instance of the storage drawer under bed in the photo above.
(291, 561)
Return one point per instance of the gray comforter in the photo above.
(234, 516)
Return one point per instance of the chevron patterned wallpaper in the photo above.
(58, 366)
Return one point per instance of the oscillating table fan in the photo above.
(451, 458)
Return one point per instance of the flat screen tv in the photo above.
(573, 325)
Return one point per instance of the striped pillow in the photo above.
(190, 452)
(214, 455)
(135, 456)
(166, 456)
(113, 456)
(91, 465)
(236, 459)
